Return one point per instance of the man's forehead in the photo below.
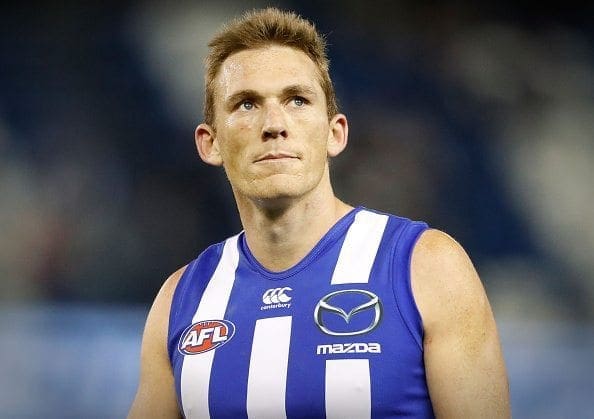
(273, 67)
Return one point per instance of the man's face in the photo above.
(272, 129)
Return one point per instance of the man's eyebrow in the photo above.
(241, 95)
(298, 89)
(292, 90)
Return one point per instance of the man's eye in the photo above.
(247, 105)
(298, 101)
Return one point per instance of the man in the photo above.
(317, 309)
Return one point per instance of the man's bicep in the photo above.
(463, 361)
(466, 374)
(155, 396)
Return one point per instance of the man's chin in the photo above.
(273, 201)
(276, 192)
(278, 187)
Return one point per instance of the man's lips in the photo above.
(275, 156)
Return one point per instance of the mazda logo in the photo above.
(325, 305)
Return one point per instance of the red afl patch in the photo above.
(205, 335)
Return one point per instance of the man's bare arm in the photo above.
(155, 397)
(463, 359)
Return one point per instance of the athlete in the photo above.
(316, 309)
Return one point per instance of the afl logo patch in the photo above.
(205, 335)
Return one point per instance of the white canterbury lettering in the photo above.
(279, 305)
(349, 348)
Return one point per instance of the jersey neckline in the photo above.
(336, 230)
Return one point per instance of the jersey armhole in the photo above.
(188, 292)
(177, 303)
(401, 285)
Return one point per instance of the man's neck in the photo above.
(280, 237)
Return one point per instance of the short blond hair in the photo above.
(257, 29)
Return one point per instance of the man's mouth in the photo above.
(275, 156)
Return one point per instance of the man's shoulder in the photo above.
(438, 258)
(165, 295)
(444, 280)
(437, 243)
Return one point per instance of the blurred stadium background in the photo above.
(476, 118)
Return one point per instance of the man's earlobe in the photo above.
(338, 136)
(207, 145)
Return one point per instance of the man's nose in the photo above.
(274, 124)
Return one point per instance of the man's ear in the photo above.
(338, 136)
(207, 145)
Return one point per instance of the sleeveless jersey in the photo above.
(336, 336)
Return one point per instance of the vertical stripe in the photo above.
(348, 389)
(359, 248)
(269, 360)
(195, 376)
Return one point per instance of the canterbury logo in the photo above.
(325, 306)
(276, 298)
(276, 295)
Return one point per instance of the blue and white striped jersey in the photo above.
(336, 336)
